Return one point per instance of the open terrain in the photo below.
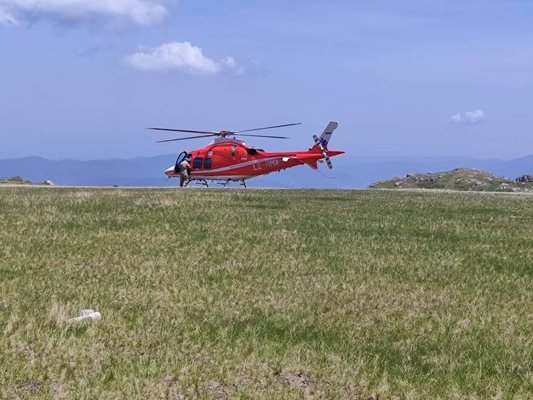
(265, 294)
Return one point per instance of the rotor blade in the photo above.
(185, 130)
(267, 127)
(185, 138)
(326, 157)
(267, 136)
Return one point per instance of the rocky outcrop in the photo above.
(15, 180)
(18, 180)
(468, 179)
(524, 179)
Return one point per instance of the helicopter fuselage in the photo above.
(231, 159)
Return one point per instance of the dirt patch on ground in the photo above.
(298, 380)
(31, 386)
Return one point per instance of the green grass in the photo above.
(265, 294)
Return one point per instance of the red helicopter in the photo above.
(228, 159)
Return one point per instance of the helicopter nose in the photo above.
(170, 172)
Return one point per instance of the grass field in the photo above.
(270, 294)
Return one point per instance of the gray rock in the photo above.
(524, 179)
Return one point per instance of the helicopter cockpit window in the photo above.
(197, 162)
(208, 162)
(251, 151)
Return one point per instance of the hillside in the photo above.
(18, 180)
(265, 294)
(456, 179)
(15, 180)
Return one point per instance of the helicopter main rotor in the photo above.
(223, 133)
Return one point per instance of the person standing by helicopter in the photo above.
(184, 168)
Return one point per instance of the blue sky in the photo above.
(83, 79)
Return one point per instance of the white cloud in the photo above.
(231, 65)
(140, 12)
(468, 118)
(181, 56)
(6, 18)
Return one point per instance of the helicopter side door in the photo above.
(240, 153)
(179, 160)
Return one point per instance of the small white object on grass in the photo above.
(87, 314)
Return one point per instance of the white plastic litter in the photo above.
(87, 314)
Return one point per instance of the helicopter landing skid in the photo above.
(202, 182)
(224, 183)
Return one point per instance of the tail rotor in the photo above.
(321, 143)
(324, 151)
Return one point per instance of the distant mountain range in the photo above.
(348, 171)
